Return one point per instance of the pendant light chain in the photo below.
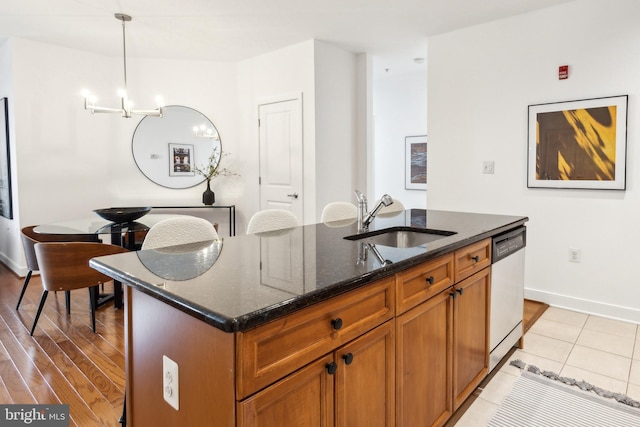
(124, 51)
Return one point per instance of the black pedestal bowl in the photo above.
(122, 215)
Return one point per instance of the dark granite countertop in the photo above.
(241, 282)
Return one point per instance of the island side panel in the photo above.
(205, 358)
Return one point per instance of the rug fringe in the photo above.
(583, 385)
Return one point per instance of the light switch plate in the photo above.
(488, 166)
(575, 255)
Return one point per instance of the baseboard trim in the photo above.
(586, 306)
(20, 271)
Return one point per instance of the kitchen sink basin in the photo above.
(401, 237)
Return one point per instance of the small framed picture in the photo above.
(578, 144)
(416, 162)
(181, 160)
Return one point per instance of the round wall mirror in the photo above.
(167, 149)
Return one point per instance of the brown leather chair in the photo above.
(30, 238)
(64, 266)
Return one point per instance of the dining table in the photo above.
(105, 230)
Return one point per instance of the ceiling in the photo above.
(238, 29)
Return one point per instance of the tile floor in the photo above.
(601, 351)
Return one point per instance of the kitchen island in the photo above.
(264, 327)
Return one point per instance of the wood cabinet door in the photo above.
(365, 386)
(423, 363)
(470, 334)
(303, 399)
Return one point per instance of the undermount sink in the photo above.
(401, 237)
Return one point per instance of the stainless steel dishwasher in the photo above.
(507, 293)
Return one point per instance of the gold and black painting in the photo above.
(578, 144)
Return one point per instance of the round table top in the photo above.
(97, 225)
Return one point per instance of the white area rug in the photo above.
(539, 401)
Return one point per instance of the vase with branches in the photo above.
(210, 170)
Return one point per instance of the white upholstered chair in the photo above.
(179, 230)
(391, 210)
(270, 220)
(338, 211)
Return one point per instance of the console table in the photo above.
(230, 208)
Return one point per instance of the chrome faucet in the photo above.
(364, 218)
(363, 254)
(383, 262)
(386, 200)
(362, 208)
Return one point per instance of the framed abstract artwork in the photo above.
(6, 204)
(416, 162)
(181, 160)
(578, 144)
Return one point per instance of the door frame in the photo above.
(289, 96)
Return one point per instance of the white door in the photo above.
(281, 156)
(281, 258)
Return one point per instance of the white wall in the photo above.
(336, 126)
(400, 110)
(325, 76)
(208, 87)
(263, 79)
(70, 162)
(480, 82)
(364, 167)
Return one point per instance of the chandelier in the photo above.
(203, 131)
(126, 106)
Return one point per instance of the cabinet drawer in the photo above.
(420, 283)
(471, 259)
(272, 351)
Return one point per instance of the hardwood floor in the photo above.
(532, 312)
(64, 361)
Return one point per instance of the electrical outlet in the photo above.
(488, 166)
(170, 382)
(575, 255)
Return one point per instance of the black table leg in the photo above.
(123, 417)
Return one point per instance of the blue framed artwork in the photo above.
(416, 162)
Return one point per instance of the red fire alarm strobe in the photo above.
(563, 72)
